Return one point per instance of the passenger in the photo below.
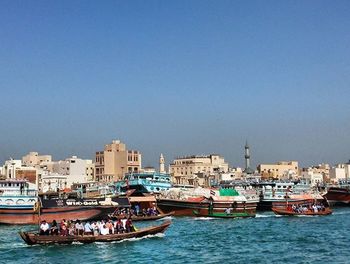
(118, 229)
(54, 228)
(104, 230)
(110, 227)
(88, 229)
(124, 223)
(129, 225)
(71, 228)
(95, 229)
(44, 228)
(79, 228)
(63, 228)
(228, 210)
(137, 209)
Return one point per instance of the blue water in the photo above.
(264, 239)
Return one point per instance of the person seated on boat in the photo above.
(79, 228)
(228, 210)
(294, 208)
(95, 229)
(144, 212)
(44, 228)
(63, 228)
(88, 229)
(110, 226)
(118, 226)
(314, 208)
(54, 228)
(137, 209)
(154, 210)
(104, 230)
(71, 228)
(129, 226)
(124, 222)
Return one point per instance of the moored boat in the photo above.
(224, 214)
(32, 238)
(338, 195)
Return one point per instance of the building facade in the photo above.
(280, 170)
(114, 161)
(184, 169)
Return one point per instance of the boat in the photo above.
(338, 195)
(275, 193)
(17, 200)
(224, 215)
(146, 182)
(306, 209)
(141, 203)
(205, 202)
(33, 238)
(59, 206)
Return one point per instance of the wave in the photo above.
(165, 218)
(204, 218)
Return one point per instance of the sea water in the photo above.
(264, 239)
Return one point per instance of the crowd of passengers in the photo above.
(136, 211)
(94, 228)
(302, 208)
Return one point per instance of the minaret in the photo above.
(247, 169)
(161, 164)
(247, 155)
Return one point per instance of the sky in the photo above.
(176, 77)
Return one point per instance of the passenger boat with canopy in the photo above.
(33, 238)
(306, 208)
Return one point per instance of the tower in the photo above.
(161, 164)
(247, 169)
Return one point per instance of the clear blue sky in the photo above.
(177, 77)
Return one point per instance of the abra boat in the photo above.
(306, 209)
(32, 238)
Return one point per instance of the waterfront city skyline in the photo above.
(178, 78)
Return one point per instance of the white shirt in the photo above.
(44, 226)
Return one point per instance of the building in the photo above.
(312, 177)
(282, 169)
(34, 159)
(183, 169)
(75, 168)
(115, 160)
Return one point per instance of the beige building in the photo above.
(183, 169)
(115, 160)
(34, 159)
(282, 169)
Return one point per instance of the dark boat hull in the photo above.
(33, 238)
(204, 208)
(59, 209)
(338, 196)
(25, 217)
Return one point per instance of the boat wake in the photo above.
(204, 218)
(159, 235)
(165, 218)
(266, 216)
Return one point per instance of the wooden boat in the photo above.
(287, 211)
(224, 215)
(32, 238)
(307, 208)
(142, 218)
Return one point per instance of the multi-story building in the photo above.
(33, 159)
(183, 169)
(282, 169)
(75, 169)
(340, 172)
(115, 160)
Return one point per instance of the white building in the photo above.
(76, 169)
(10, 167)
(337, 173)
(54, 182)
(312, 177)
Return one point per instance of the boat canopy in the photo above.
(135, 199)
(228, 192)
